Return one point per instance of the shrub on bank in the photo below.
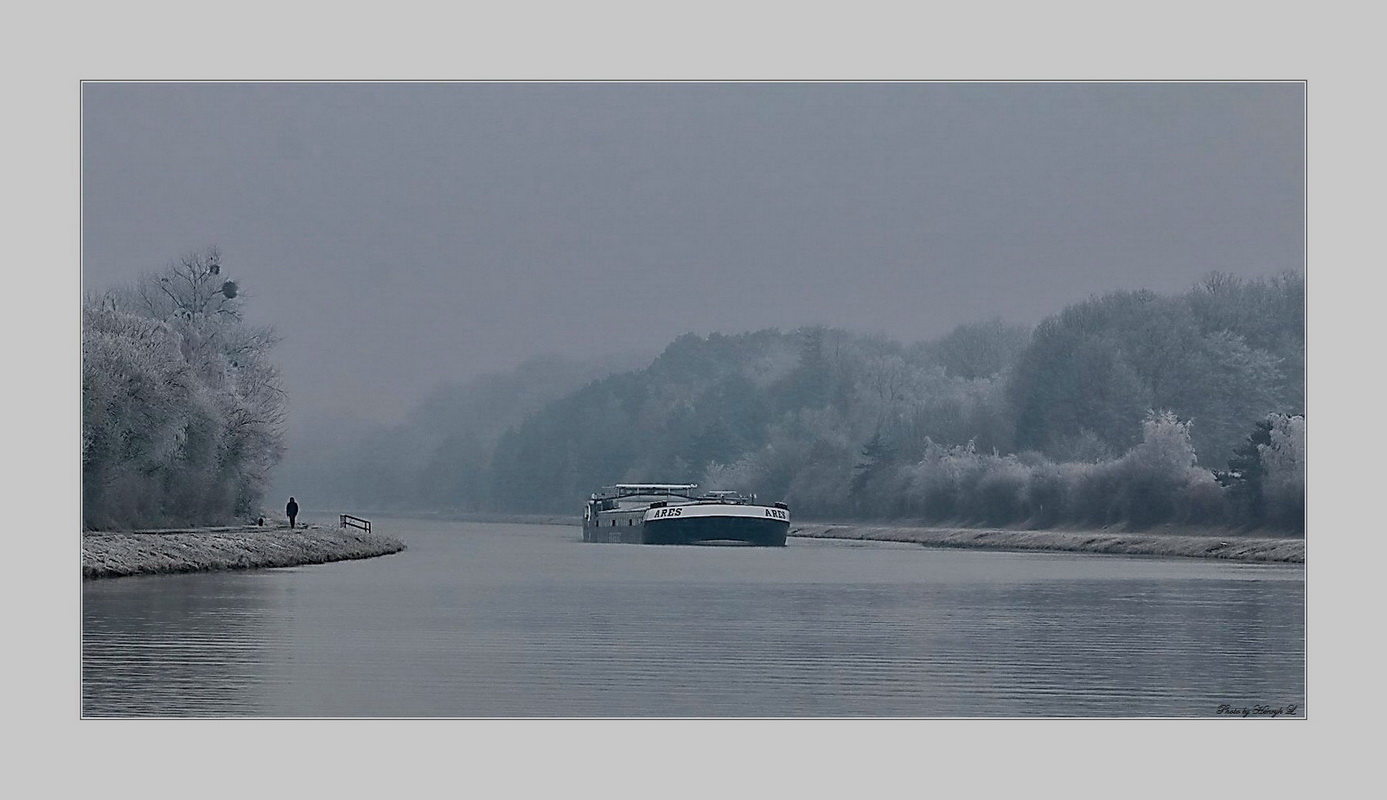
(1156, 482)
(1152, 477)
(1048, 493)
(1283, 463)
(999, 496)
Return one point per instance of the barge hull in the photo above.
(693, 530)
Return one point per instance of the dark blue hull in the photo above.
(694, 530)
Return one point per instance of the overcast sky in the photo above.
(399, 235)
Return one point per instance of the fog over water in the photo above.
(402, 235)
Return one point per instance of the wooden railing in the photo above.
(348, 521)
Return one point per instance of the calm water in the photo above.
(487, 620)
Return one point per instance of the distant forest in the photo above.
(1130, 408)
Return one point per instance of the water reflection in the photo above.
(486, 621)
(176, 645)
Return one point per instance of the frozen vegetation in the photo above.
(1129, 409)
(182, 410)
(117, 554)
(1202, 544)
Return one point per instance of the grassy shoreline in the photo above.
(114, 554)
(1183, 543)
(1164, 541)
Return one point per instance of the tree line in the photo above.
(1127, 408)
(182, 409)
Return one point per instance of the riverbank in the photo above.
(108, 554)
(1160, 542)
(1164, 541)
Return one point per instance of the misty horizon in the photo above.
(400, 237)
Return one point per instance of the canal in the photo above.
(505, 620)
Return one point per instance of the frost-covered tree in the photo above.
(182, 408)
(1224, 354)
(981, 349)
(138, 411)
(1283, 468)
(1153, 475)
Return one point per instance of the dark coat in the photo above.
(292, 509)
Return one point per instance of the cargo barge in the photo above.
(671, 513)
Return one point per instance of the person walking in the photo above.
(292, 510)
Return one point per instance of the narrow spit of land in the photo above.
(1159, 542)
(108, 554)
